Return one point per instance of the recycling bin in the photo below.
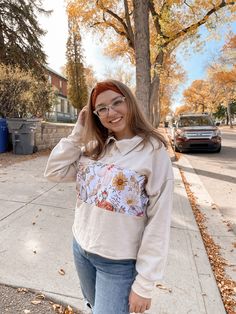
(3, 135)
(22, 133)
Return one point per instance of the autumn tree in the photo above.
(146, 30)
(198, 95)
(171, 76)
(222, 75)
(90, 78)
(183, 109)
(77, 88)
(121, 73)
(20, 35)
(22, 95)
(225, 80)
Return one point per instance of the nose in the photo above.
(109, 110)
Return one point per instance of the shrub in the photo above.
(22, 95)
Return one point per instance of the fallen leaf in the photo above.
(40, 296)
(213, 206)
(58, 308)
(68, 310)
(23, 290)
(160, 286)
(36, 302)
(61, 272)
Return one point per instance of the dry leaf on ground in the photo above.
(61, 272)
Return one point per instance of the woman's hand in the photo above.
(138, 304)
(82, 115)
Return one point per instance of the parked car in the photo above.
(195, 132)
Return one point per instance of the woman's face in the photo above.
(115, 118)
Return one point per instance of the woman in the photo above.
(124, 182)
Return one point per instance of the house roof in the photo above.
(53, 71)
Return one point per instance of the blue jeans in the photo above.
(105, 283)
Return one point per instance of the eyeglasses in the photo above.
(103, 110)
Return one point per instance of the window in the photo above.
(62, 105)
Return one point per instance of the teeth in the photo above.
(116, 120)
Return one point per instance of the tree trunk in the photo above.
(155, 88)
(142, 54)
(229, 115)
(2, 50)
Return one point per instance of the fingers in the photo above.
(138, 304)
(138, 308)
(82, 115)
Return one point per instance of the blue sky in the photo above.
(195, 63)
(54, 44)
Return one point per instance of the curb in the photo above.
(171, 152)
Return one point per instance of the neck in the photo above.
(124, 136)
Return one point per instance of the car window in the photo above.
(195, 121)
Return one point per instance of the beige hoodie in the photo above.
(124, 202)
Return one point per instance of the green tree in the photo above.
(20, 35)
(77, 87)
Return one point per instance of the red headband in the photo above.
(102, 87)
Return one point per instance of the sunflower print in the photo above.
(119, 181)
(112, 188)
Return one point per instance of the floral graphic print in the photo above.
(119, 181)
(112, 188)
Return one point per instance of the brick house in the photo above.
(63, 111)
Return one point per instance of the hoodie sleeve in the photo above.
(62, 163)
(152, 254)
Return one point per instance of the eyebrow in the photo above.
(99, 105)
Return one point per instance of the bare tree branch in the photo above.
(195, 26)
(155, 18)
(129, 26)
(119, 19)
(189, 6)
(117, 30)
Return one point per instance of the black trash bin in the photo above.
(22, 132)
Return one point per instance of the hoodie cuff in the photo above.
(76, 134)
(143, 287)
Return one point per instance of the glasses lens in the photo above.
(102, 111)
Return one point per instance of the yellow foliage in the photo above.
(183, 109)
(176, 18)
(197, 96)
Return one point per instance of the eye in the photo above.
(117, 102)
(102, 110)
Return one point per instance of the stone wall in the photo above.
(48, 134)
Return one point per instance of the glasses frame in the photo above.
(108, 107)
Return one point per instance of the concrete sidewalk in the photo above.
(35, 244)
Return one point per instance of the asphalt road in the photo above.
(217, 171)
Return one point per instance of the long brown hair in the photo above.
(95, 134)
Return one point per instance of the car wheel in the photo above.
(176, 149)
(218, 150)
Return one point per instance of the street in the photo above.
(217, 172)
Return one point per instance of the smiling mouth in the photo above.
(116, 120)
